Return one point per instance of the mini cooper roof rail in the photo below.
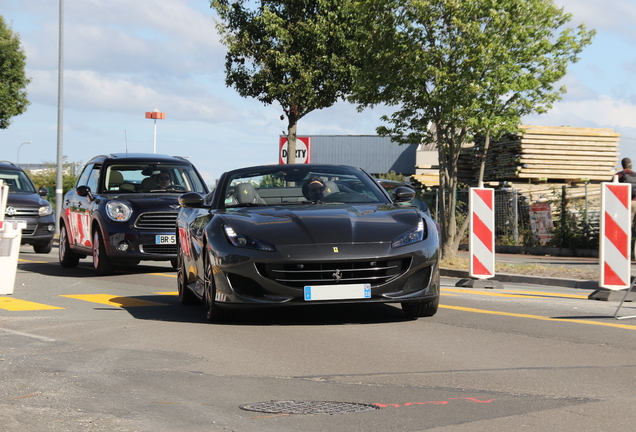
(8, 162)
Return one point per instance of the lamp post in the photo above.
(17, 159)
(155, 114)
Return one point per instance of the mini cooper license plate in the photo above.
(166, 239)
(338, 292)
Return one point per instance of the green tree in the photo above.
(47, 178)
(454, 68)
(294, 52)
(13, 81)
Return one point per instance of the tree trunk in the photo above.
(292, 116)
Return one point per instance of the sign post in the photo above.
(616, 240)
(481, 242)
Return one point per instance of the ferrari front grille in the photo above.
(298, 275)
(157, 221)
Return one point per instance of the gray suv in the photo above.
(26, 203)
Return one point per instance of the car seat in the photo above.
(246, 194)
(148, 184)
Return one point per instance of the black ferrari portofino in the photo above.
(305, 234)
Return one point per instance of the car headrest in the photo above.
(116, 178)
(246, 194)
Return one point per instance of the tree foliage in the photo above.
(294, 52)
(454, 68)
(13, 81)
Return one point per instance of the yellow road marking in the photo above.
(485, 293)
(14, 304)
(164, 275)
(111, 300)
(526, 294)
(34, 262)
(169, 293)
(539, 317)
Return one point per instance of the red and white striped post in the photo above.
(481, 243)
(616, 234)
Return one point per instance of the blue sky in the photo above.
(126, 57)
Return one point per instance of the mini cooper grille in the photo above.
(298, 275)
(159, 249)
(156, 221)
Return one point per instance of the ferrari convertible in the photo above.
(284, 235)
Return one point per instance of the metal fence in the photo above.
(574, 216)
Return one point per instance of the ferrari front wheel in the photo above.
(213, 313)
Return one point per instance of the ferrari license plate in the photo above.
(166, 239)
(338, 292)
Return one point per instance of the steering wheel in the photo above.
(176, 188)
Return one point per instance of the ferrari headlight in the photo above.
(239, 240)
(413, 236)
(118, 211)
(45, 210)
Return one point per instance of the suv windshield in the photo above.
(17, 181)
(138, 178)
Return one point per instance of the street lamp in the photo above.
(17, 160)
(155, 114)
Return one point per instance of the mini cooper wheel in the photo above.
(101, 261)
(67, 257)
(418, 309)
(213, 313)
(186, 297)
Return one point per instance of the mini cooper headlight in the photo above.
(413, 236)
(246, 242)
(118, 211)
(45, 210)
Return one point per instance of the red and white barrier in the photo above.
(481, 243)
(616, 234)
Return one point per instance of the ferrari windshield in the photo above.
(300, 184)
(156, 177)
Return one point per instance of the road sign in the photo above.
(303, 150)
(616, 234)
(481, 241)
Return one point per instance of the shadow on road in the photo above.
(280, 316)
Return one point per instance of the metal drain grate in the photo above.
(309, 407)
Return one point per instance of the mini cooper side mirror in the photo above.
(191, 200)
(43, 192)
(83, 191)
(403, 194)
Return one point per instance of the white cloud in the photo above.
(603, 15)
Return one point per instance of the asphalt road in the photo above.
(118, 353)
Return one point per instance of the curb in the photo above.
(534, 280)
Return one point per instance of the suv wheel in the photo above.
(101, 261)
(43, 248)
(67, 257)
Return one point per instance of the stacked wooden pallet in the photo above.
(551, 153)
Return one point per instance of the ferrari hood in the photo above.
(322, 224)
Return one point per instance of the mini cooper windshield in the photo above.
(152, 178)
(278, 185)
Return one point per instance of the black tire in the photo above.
(67, 257)
(418, 309)
(102, 263)
(186, 296)
(213, 313)
(43, 248)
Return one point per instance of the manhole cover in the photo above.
(309, 407)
